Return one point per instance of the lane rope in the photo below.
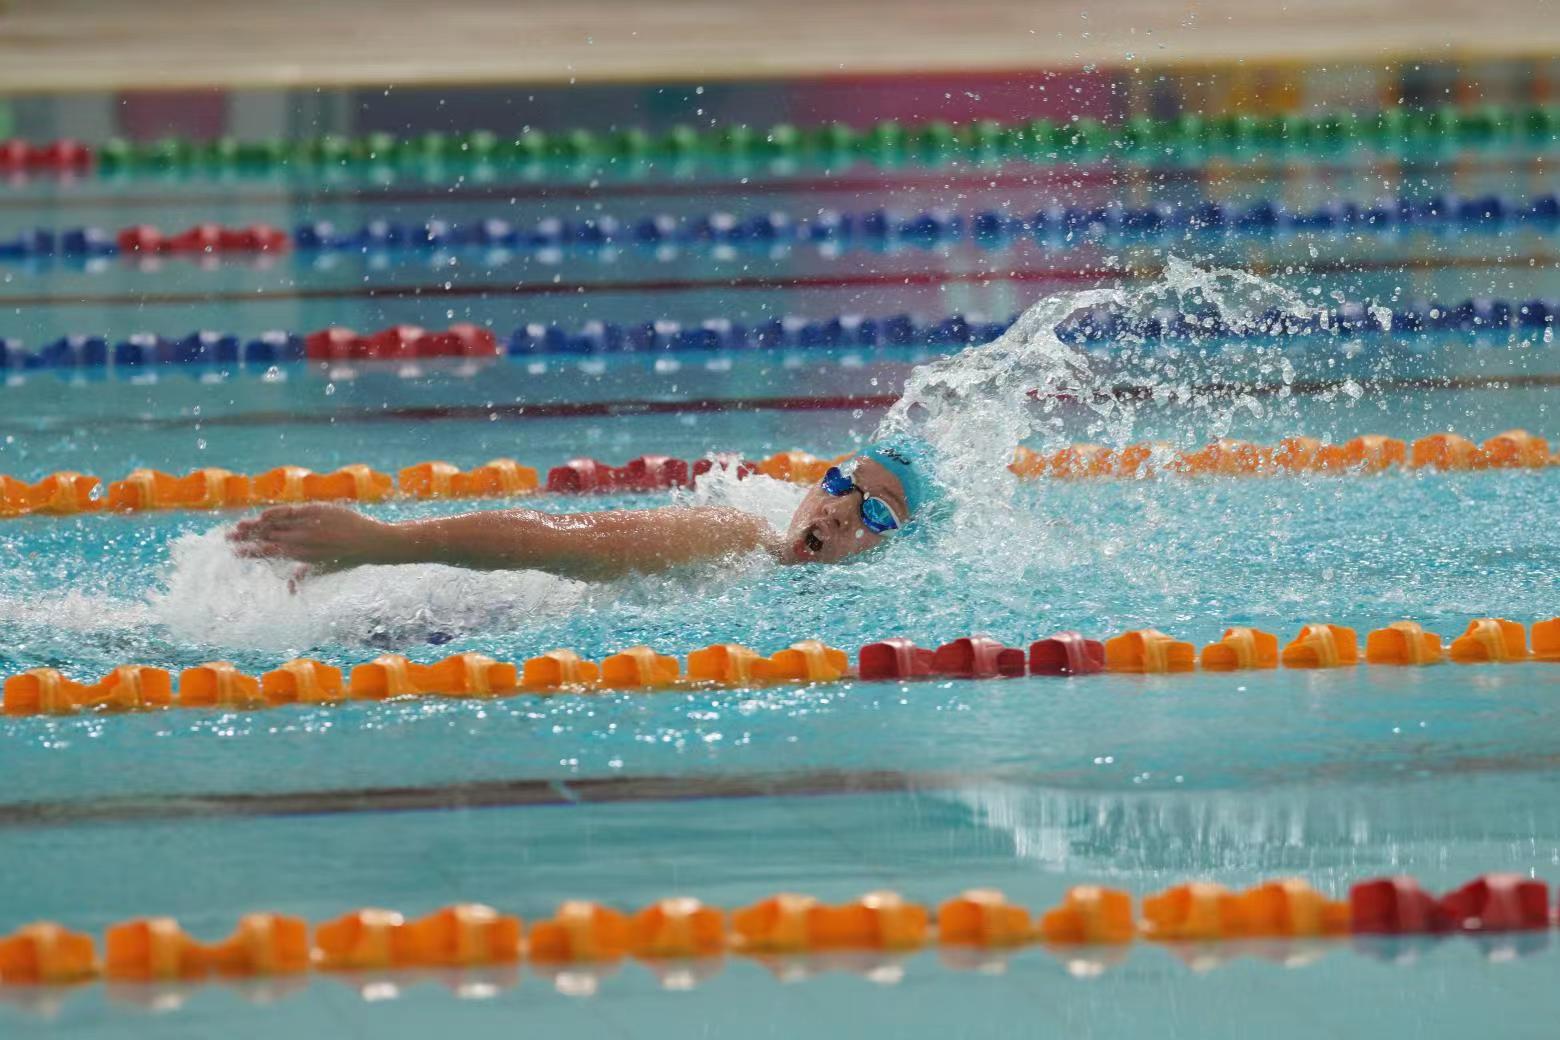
(1090, 922)
(1135, 139)
(853, 229)
(1480, 316)
(67, 493)
(306, 681)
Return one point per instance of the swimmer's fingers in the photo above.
(244, 530)
(326, 537)
(256, 529)
(295, 543)
(313, 560)
(260, 551)
(279, 519)
(306, 572)
(305, 511)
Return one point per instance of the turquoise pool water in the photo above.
(1030, 785)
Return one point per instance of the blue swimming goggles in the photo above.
(877, 515)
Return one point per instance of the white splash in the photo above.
(215, 598)
(977, 405)
(774, 500)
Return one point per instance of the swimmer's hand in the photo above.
(587, 546)
(320, 536)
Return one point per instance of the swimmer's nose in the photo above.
(838, 514)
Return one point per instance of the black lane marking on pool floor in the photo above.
(546, 287)
(487, 794)
(1059, 275)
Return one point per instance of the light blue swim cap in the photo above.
(908, 458)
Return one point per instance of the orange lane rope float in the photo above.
(67, 493)
(474, 936)
(220, 685)
(1371, 453)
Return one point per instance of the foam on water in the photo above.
(215, 598)
(76, 611)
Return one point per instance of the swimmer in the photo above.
(876, 495)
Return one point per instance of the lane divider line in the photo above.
(467, 341)
(219, 685)
(878, 228)
(475, 936)
(1137, 139)
(67, 493)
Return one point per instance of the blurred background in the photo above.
(679, 228)
(251, 70)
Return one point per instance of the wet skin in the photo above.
(826, 528)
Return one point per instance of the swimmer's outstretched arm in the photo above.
(587, 546)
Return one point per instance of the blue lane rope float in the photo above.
(991, 227)
(1534, 317)
(865, 228)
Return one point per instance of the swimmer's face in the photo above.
(827, 528)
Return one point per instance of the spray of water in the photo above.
(976, 406)
(1031, 386)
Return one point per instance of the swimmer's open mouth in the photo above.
(809, 544)
(813, 543)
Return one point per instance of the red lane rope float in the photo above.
(60, 156)
(67, 492)
(470, 935)
(401, 342)
(203, 239)
(218, 684)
